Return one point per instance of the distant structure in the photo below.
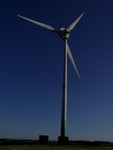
(64, 34)
(43, 139)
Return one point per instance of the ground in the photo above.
(55, 147)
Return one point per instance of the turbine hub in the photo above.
(63, 33)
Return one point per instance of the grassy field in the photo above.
(53, 147)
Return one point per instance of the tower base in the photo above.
(62, 140)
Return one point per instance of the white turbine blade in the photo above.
(72, 60)
(38, 23)
(75, 22)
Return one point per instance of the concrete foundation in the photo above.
(62, 140)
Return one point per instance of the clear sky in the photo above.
(31, 69)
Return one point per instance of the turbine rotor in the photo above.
(64, 33)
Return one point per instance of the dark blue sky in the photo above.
(31, 69)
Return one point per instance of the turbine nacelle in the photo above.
(64, 33)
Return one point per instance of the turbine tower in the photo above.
(64, 33)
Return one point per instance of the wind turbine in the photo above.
(64, 33)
